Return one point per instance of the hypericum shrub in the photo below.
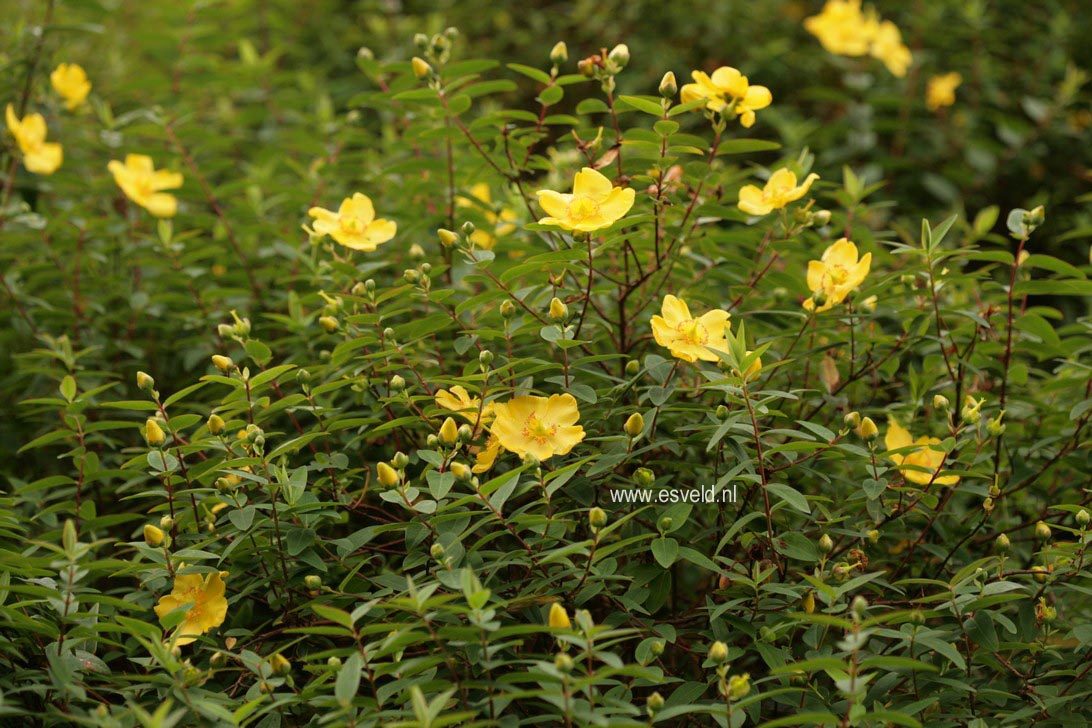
(443, 408)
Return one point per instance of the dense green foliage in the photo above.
(371, 579)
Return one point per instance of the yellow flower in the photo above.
(449, 432)
(780, 190)
(458, 400)
(354, 225)
(70, 81)
(728, 91)
(205, 594)
(594, 203)
(690, 338)
(842, 28)
(501, 223)
(837, 274)
(538, 426)
(940, 90)
(559, 618)
(887, 46)
(925, 456)
(144, 185)
(39, 156)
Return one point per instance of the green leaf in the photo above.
(790, 495)
(665, 550)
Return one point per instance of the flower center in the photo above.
(537, 430)
(838, 274)
(351, 224)
(581, 208)
(692, 332)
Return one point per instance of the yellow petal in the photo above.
(161, 204)
(752, 202)
(675, 311)
(561, 409)
(590, 183)
(380, 231)
(897, 436)
(617, 204)
(757, 97)
(555, 204)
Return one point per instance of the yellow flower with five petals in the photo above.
(594, 203)
(39, 156)
(842, 28)
(925, 459)
(208, 606)
(70, 81)
(780, 190)
(836, 274)
(728, 90)
(144, 184)
(888, 47)
(689, 338)
(538, 426)
(354, 225)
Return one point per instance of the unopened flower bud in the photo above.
(144, 381)
(867, 430)
(329, 324)
(400, 460)
(313, 582)
(1042, 531)
(223, 363)
(1002, 543)
(468, 228)
(826, 544)
(619, 55)
(859, 606)
(820, 217)
(448, 238)
(917, 617)
(873, 535)
(166, 523)
(153, 536)
(559, 53)
(635, 425)
(563, 662)
(334, 662)
(559, 618)
(466, 433)
(940, 403)
(1083, 517)
(421, 68)
(485, 358)
(852, 419)
(655, 703)
(586, 67)
(388, 476)
(668, 86)
(656, 648)
(721, 412)
(507, 309)
(398, 383)
(449, 432)
(558, 310)
(153, 433)
(280, 664)
(644, 477)
(808, 603)
(633, 367)
(437, 551)
(597, 518)
(461, 471)
(665, 523)
(718, 652)
(215, 424)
